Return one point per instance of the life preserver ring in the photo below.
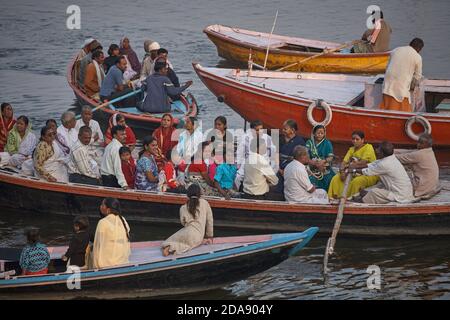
(328, 113)
(419, 119)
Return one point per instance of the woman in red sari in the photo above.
(163, 136)
(7, 122)
(119, 120)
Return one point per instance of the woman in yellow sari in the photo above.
(360, 152)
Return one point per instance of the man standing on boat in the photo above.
(396, 185)
(376, 39)
(403, 73)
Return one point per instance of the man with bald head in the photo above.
(424, 167)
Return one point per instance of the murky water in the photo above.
(35, 47)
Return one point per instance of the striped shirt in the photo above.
(82, 161)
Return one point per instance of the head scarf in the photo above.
(5, 128)
(131, 55)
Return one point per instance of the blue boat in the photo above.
(150, 274)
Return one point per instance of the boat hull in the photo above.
(238, 51)
(43, 198)
(273, 108)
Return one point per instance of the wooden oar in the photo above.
(337, 224)
(129, 94)
(325, 51)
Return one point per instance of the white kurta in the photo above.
(394, 178)
(111, 163)
(111, 244)
(257, 175)
(405, 64)
(70, 136)
(297, 184)
(95, 127)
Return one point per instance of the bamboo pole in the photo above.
(268, 42)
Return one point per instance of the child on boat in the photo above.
(35, 257)
(128, 166)
(76, 253)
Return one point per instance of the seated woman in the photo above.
(361, 152)
(189, 139)
(197, 220)
(196, 172)
(321, 154)
(34, 258)
(163, 136)
(112, 236)
(126, 50)
(49, 161)
(146, 168)
(7, 122)
(21, 143)
(59, 139)
(168, 174)
(118, 119)
(222, 140)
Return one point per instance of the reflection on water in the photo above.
(36, 47)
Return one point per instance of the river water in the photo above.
(36, 46)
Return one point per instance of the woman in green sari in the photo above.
(321, 154)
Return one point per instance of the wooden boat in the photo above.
(352, 103)
(149, 273)
(142, 123)
(425, 218)
(236, 44)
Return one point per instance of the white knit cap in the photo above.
(88, 41)
(154, 46)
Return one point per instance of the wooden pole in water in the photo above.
(329, 250)
(268, 42)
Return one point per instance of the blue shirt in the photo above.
(34, 257)
(144, 165)
(225, 175)
(112, 79)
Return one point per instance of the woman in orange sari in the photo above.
(163, 136)
(7, 122)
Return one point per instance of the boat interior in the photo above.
(141, 253)
(432, 96)
(274, 41)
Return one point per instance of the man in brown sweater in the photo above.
(94, 75)
(375, 40)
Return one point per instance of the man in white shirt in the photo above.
(111, 167)
(297, 186)
(396, 185)
(256, 174)
(242, 153)
(86, 120)
(67, 129)
(83, 167)
(403, 73)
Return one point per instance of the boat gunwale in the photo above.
(249, 45)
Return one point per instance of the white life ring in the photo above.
(328, 113)
(419, 119)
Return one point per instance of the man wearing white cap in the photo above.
(151, 53)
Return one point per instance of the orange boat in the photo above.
(236, 44)
(343, 103)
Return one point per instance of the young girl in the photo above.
(35, 257)
(76, 253)
(321, 153)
